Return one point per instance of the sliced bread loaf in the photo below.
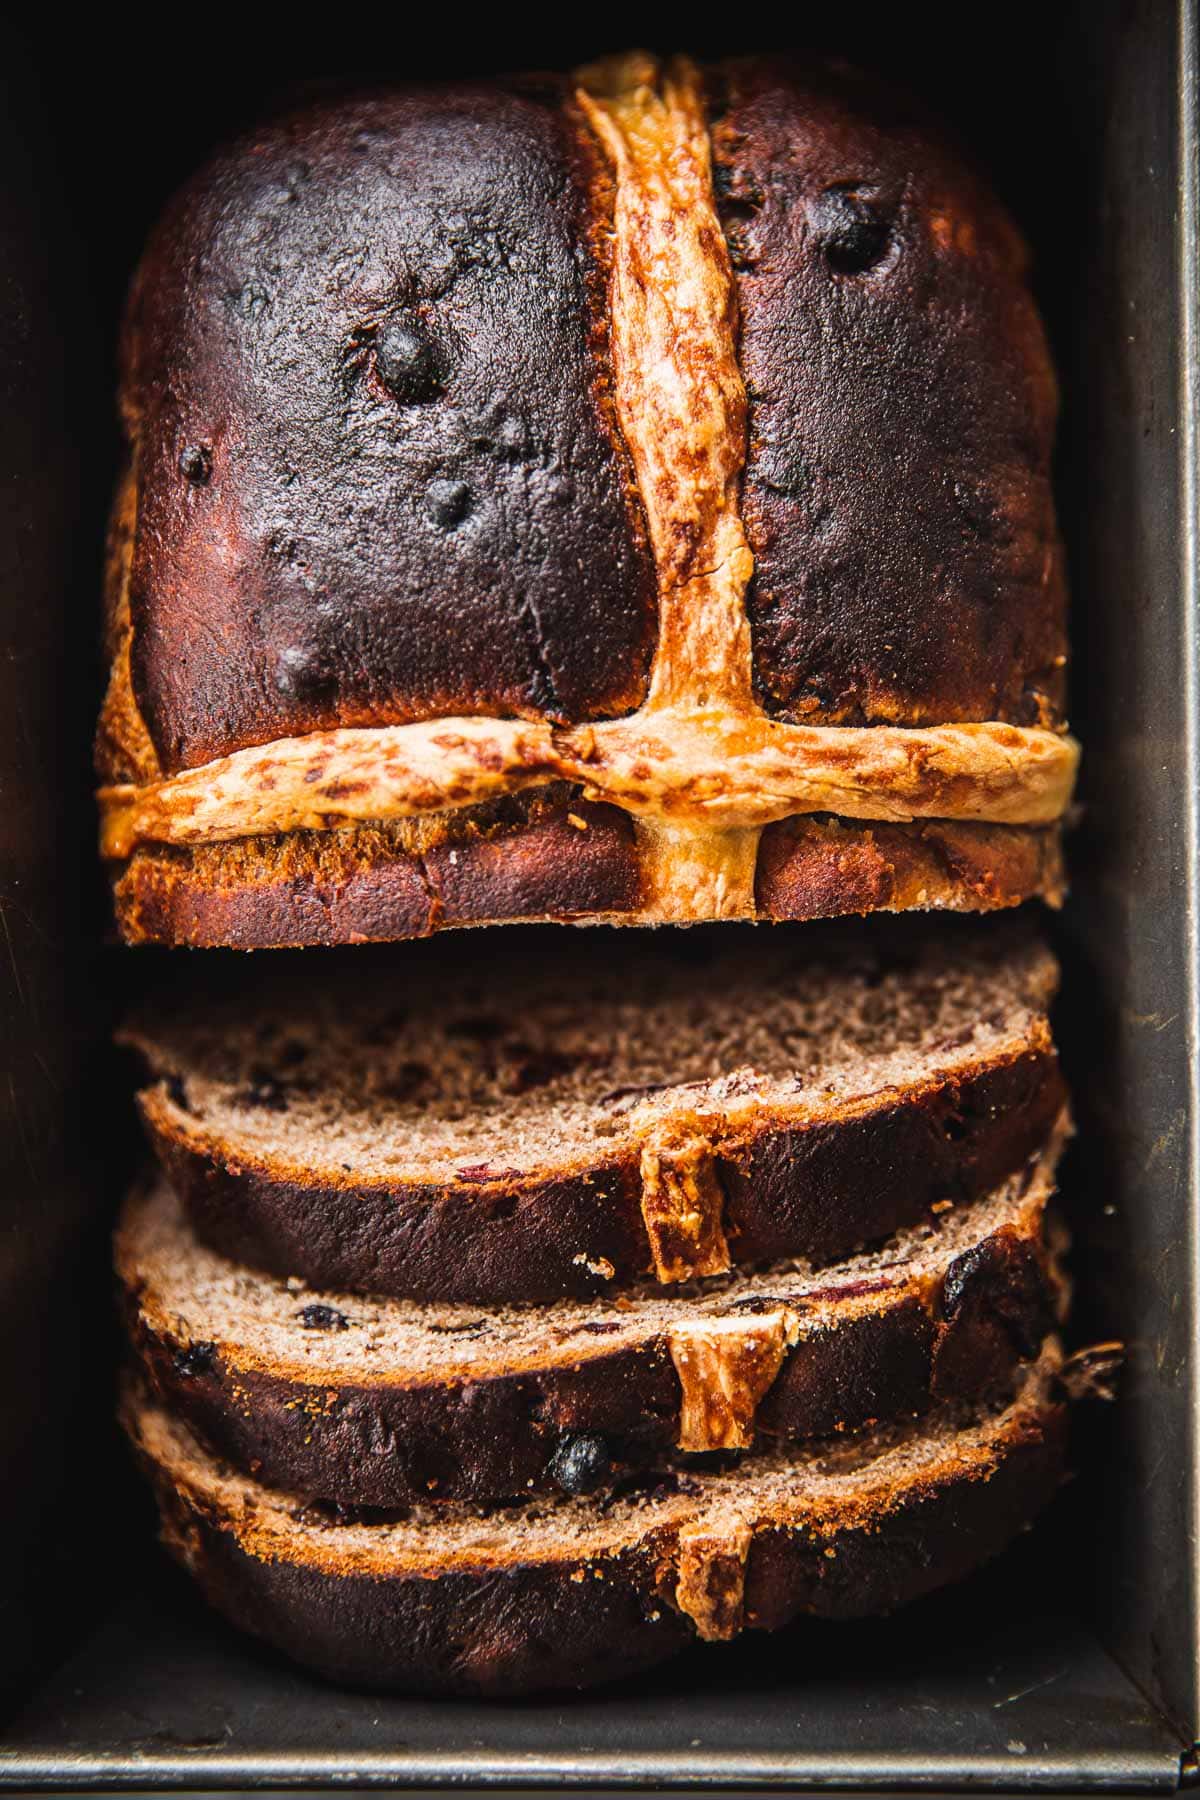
(563, 1125)
(569, 1592)
(383, 1403)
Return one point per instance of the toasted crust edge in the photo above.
(487, 1437)
(815, 1189)
(532, 1627)
(552, 856)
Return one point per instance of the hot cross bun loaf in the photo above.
(623, 496)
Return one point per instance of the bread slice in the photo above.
(588, 1112)
(383, 1403)
(569, 1592)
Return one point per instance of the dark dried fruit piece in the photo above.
(263, 1090)
(581, 1464)
(850, 230)
(448, 503)
(300, 674)
(410, 364)
(534, 1067)
(197, 1359)
(319, 1317)
(195, 464)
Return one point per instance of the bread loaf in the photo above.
(620, 496)
(617, 497)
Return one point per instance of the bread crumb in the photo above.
(575, 820)
(600, 1266)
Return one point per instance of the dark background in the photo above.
(1071, 110)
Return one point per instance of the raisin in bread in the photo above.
(623, 495)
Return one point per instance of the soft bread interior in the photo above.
(187, 1294)
(459, 1070)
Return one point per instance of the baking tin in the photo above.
(1072, 1666)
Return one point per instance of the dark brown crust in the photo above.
(824, 868)
(491, 1438)
(521, 858)
(525, 859)
(902, 405)
(315, 547)
(537, 1627)
(817, 1192)
(291, 568)
(821, 1191)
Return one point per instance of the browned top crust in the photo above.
(366, 372)
(902, 406)
(776, 366)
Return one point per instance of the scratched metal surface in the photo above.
(148, 1691)
(1008, 1694)
(1129, 1017)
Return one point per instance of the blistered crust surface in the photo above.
(365, 370)
(902, 404)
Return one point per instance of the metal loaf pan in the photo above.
(1071, 1666)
